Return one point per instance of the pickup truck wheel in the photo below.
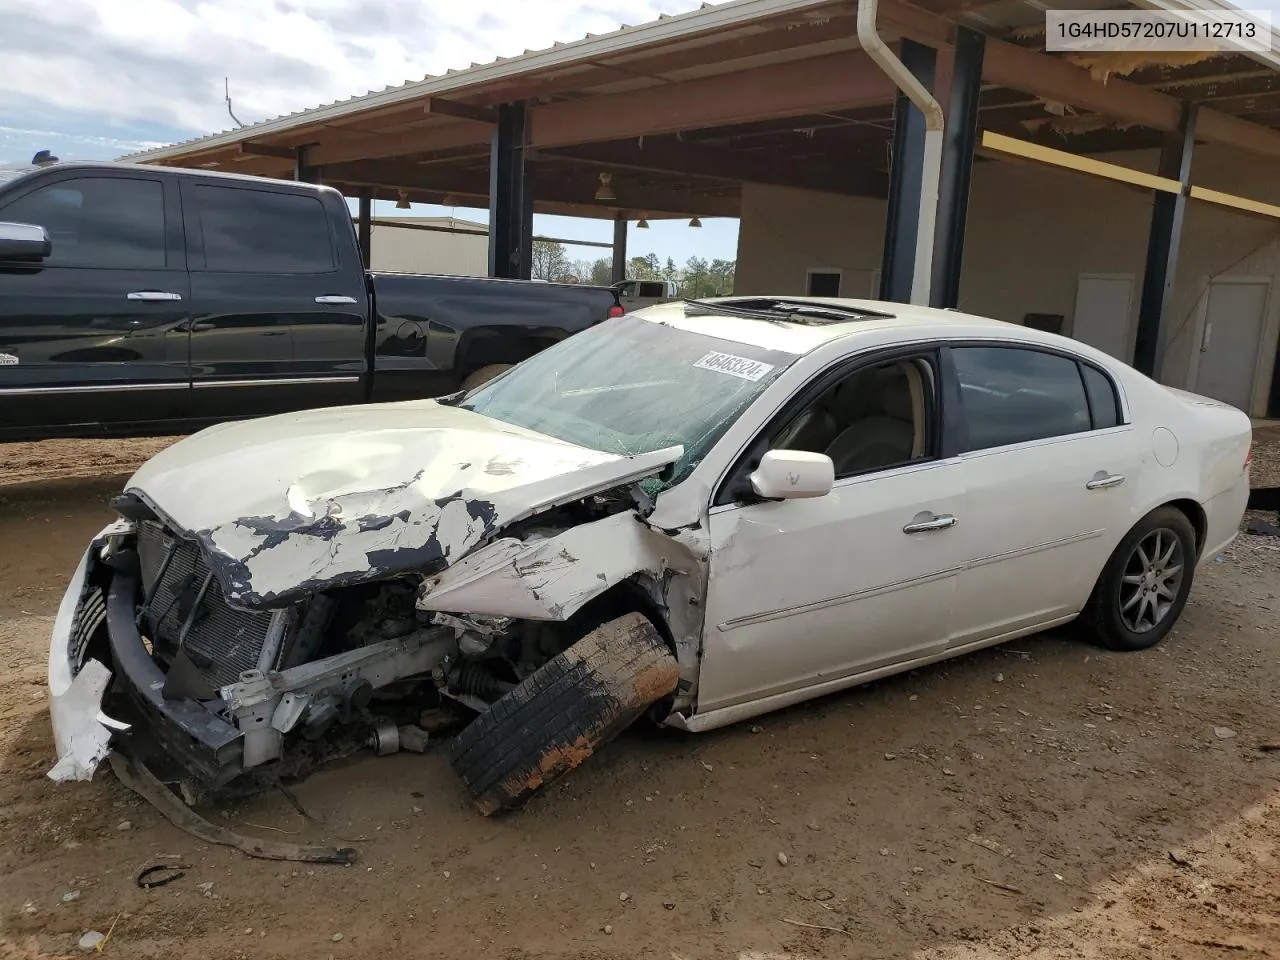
(485, 374)
(563, 712)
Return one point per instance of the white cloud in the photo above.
(83, 141)
(162, 62)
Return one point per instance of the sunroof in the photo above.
(782, 310)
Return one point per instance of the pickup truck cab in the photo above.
(140, 299)
(635, 294)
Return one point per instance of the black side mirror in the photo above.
(24, 241)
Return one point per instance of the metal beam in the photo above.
(1221, 127)
(394, 173)
(619, 271)
(461, 111)
(251, 149)
(358, 145)
(1052, 79)
(510, 196)
(837, 81)
(673, 156)
(1163, 240)
(303, 168)
(999, 146)
(906, 174)
(957, 166)
(576, 187)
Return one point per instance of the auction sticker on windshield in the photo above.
(741, 367)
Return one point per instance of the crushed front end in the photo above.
(216, 689)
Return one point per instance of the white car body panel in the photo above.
(336, 494)
(836, 576)
(767, 603)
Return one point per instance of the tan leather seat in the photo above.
(886, 436)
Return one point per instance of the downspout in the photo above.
(926, 224)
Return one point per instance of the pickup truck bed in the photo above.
(139, 299)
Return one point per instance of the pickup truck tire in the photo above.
(485, 374)
(563, 712)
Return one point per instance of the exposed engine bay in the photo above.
(267, 694)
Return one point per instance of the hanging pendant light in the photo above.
(605, 190)
(695, 223)
(642, 224)
(403, 202)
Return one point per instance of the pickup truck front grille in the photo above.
(221, 642)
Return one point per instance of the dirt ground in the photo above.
(1043, 800)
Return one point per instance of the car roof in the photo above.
(804, 335)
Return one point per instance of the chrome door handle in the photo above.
(331, 299)
(1102, 480)
(152, 296)
(939, 521)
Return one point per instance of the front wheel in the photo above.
(1144, 586)
(563, 712)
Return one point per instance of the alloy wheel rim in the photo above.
(1151, 582)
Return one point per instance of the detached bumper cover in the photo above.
(81, 731)
(205, 744)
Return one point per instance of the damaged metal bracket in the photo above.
(143, 782)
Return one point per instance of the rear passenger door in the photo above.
(1048, 464)
(278, 317)
(95, 334)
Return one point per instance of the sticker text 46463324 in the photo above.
(741, 367)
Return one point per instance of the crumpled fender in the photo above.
(553, 578)
(263, 562)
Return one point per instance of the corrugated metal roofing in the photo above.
(718, 19)
(668, 27)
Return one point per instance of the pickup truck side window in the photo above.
(257, 231)
(105, 222)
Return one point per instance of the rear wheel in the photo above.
(485, 374)
(1145, 584)
(563, 712)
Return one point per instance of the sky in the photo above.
(97, 79)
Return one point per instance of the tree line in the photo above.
(697, 278)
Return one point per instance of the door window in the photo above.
(1015, 395)
(104, 222)
(873, 419)
(257, 231)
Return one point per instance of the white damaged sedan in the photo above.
(699, 512)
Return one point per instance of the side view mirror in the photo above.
(793, 475)
(24, 241)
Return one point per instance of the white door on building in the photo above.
(1234, 315)
(1104, 303)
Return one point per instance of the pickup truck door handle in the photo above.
(925, 522)
(332, 299)
(1102, 480)
(153, 296)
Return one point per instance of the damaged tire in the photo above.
(564, 712)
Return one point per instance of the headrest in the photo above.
(895, 396)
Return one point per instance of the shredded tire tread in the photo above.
(562, 713)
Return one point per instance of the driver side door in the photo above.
(806, 595)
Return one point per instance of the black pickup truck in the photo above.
(139, 299)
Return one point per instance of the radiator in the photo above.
(221, 642)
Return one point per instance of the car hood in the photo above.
(289, 505)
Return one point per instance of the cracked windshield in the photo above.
(633, 386)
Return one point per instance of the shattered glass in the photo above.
(631, 386)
